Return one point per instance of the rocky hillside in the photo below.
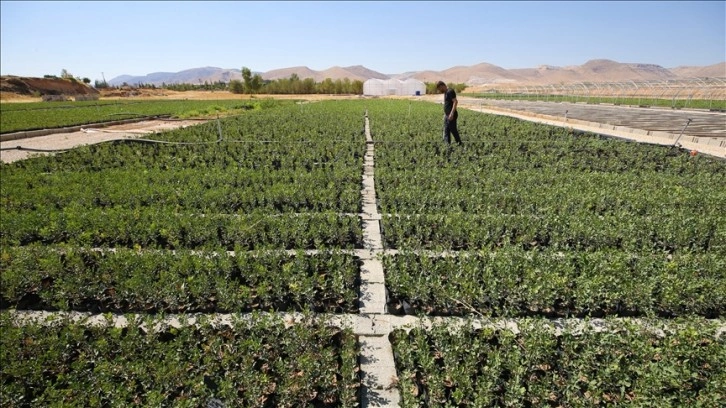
(44, 86)
(188, 76)
(711, 71)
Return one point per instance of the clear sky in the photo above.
(138, 38)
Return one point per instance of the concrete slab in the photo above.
(368, 195)
(378, 373)
(364, 254)
(373, 325)
(372, 298)
(372, 271)
(372, 238)
(369, 183)
(370, 213)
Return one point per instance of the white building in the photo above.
(380, 87)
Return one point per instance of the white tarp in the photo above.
(381, 87)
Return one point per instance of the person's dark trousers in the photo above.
(450, 129)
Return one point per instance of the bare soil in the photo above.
(86, 137)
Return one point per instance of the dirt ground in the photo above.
(86, 137)
(11, 97)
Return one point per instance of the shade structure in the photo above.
(380, 87)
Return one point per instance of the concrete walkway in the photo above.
(378, 369)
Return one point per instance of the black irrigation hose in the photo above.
(126, 114)
(30, 149)
(221, 139)
(163, 119)
(467, 141)
(474, 142)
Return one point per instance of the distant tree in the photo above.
(357, 87)
(459, 88)
(86, 80)
(338, 87)
(272, 87)
(295, 84)
(65, 74)
(247, 77)
(347, 86)
(431, 88)
(252, 83)
(327, 86)
(236, 86)
(256, 83)
(308, 86)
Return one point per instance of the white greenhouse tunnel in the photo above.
(381, 87)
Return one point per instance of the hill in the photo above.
(301, 72)
(188, 76)
(711, 71)
(597, 70)
(600, 70)
(44, 86)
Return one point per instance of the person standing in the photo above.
(450, 113)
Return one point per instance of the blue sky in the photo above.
(138, 38)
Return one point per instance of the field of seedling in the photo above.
(41, 115)
(535, 266)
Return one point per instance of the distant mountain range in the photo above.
(600, 70)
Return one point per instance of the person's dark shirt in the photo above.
(449, 97)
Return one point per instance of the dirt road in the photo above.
(87, 136)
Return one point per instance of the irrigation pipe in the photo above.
(684, 129)
(142, 140)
